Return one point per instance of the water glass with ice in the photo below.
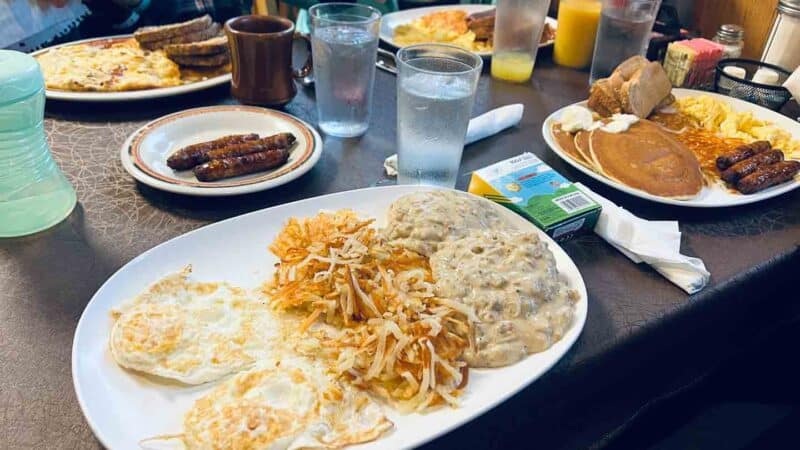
(624, 31)
(435, 92)
(344, 40)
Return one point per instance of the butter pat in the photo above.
(766, 76)
(735, 71)
(532, 189)
(575, 118)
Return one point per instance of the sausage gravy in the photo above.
(423, 220)
(507, 277)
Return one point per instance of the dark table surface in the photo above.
(643, 335)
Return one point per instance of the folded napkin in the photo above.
(27, 25)
(657, 243)
(483, 126)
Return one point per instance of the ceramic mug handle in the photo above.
(308, 66)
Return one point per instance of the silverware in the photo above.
(385, 62)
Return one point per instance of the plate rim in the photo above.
(569, 339)
(141, 94)
(389, 40)
(137, 173)
(691, 203)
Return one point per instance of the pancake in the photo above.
(567, 143)
(647, 158)
(581, 142)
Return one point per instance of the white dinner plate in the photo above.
(713, 196)
(392, 20)
(235, 250)
(142, 94)
(144, 154)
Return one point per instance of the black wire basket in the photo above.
(766, 95)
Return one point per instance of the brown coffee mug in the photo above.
(261, 56)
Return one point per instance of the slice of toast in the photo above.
(213, 46)
(163, 32)
(195, 36)
(202, 61)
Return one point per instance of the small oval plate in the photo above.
(144, 154)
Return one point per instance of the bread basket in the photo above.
(766, 95)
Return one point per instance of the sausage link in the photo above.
(280, 140)
(741, 153)
(189, 156)
(744, 168)
(768, 176)
(218, 169)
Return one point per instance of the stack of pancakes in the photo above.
(644, 157)
(195, 43)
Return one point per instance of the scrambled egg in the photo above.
(117, 66)
(449, 27)
(713, 114)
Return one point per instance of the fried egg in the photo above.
(193, 332)
(288, 406)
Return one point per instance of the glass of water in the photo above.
(435, 92)
(624, 31)
(344, 41)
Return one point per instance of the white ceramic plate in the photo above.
(711, 196)
(144, 154)
(392, 20)
(143, 94)
(235, 250)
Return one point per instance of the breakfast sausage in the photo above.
(768, 176)
(280, 140)
(218, 169)
(189, 156)
(741, 153)
(744, 168)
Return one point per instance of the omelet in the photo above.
(716, 115)
(193, 332)
(109, 67)
(290, 405)
(449, 27)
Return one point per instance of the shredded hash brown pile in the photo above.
(370, 310)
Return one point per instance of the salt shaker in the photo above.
(731, 37)
(34, 194)
(782, 47)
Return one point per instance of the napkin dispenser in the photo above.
(532, 189)
(34, 194)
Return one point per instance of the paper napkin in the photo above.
(793, 84)
(483, 126)
(656, 243)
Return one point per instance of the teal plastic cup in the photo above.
(34, 194)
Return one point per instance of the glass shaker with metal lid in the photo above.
(731, 37)
(783, 46)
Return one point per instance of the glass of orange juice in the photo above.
(577, 28)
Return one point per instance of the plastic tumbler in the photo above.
(435, 91)
(344, 41)
(517, 29)
(34, 194)
(624, 31)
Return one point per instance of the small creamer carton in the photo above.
(535, 191)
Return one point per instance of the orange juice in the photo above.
(516, 67)
(577, 28)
